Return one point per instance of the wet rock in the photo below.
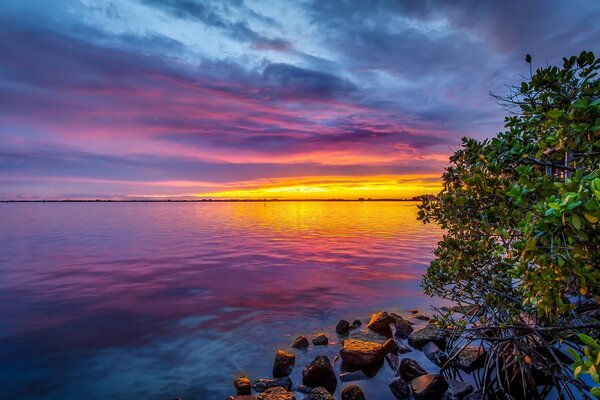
(303, 389)
(422, 317)
(402, 349)
(352, 392)
(410, 369)
(356, 324)
(343, 327)
(470, 358)
(283, 364)
(400, 388)
(264, 384)
(301, 342)
(353, 376)
(276, 393)
(414, 311)
(435, 354)
(242, 385)
(248, 397)
(380, 323)
(403, 328)
(390, 346)
(429, 387)
(319, 393)
(320, 373)
(393, 361)
(359, 354)
(460, 389)
(320, 340)
(429, 333)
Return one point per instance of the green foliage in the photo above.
(521, 210)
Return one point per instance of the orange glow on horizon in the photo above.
(374, 187)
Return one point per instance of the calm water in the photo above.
(154, 301)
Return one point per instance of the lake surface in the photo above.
(159, 300)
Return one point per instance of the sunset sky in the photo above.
(275, 99)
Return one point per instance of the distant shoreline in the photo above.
(207, 201)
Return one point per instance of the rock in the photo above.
(422, 317)
(303, 389)
(353, 376)
(429, 333)
(429, 387)
(390, 346)
(393, 361)
(352, 392)
(320, 340)
(435, 354)
(319, 393)
(414, 311)
(301, 342)
(380, 323)
(471, 358)
(460, 389)
(359, 354)
(402, 349)
(400, 388)
(242, 385)
(320, 373)
(343, 327)
(283, 364)
(276, 393)
(402, 327)
(248, 397)
(263, 384)
(355, 324)
(410, 369)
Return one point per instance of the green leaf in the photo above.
(595, 391)
(587, 340)
(576, 221)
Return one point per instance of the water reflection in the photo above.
(128, 300)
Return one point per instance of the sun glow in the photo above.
(375, 187)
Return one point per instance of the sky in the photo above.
(136, 99)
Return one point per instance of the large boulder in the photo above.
(318, 393)
(320, 340)
(359, 354)
(276, 393)
(283, 364)
(355, 324)
(435, 354)
(429, 387)
(352, 392)
(402, 327)
(320, 373)
(380, 323)
(393, 361)
(261, 385)
(342, 327)
(430, 333)
(400, 389)
(242, 385)
(470, 358)
(390, 346)
(301, 342)
(409, 369)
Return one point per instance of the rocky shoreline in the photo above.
(387, 342)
